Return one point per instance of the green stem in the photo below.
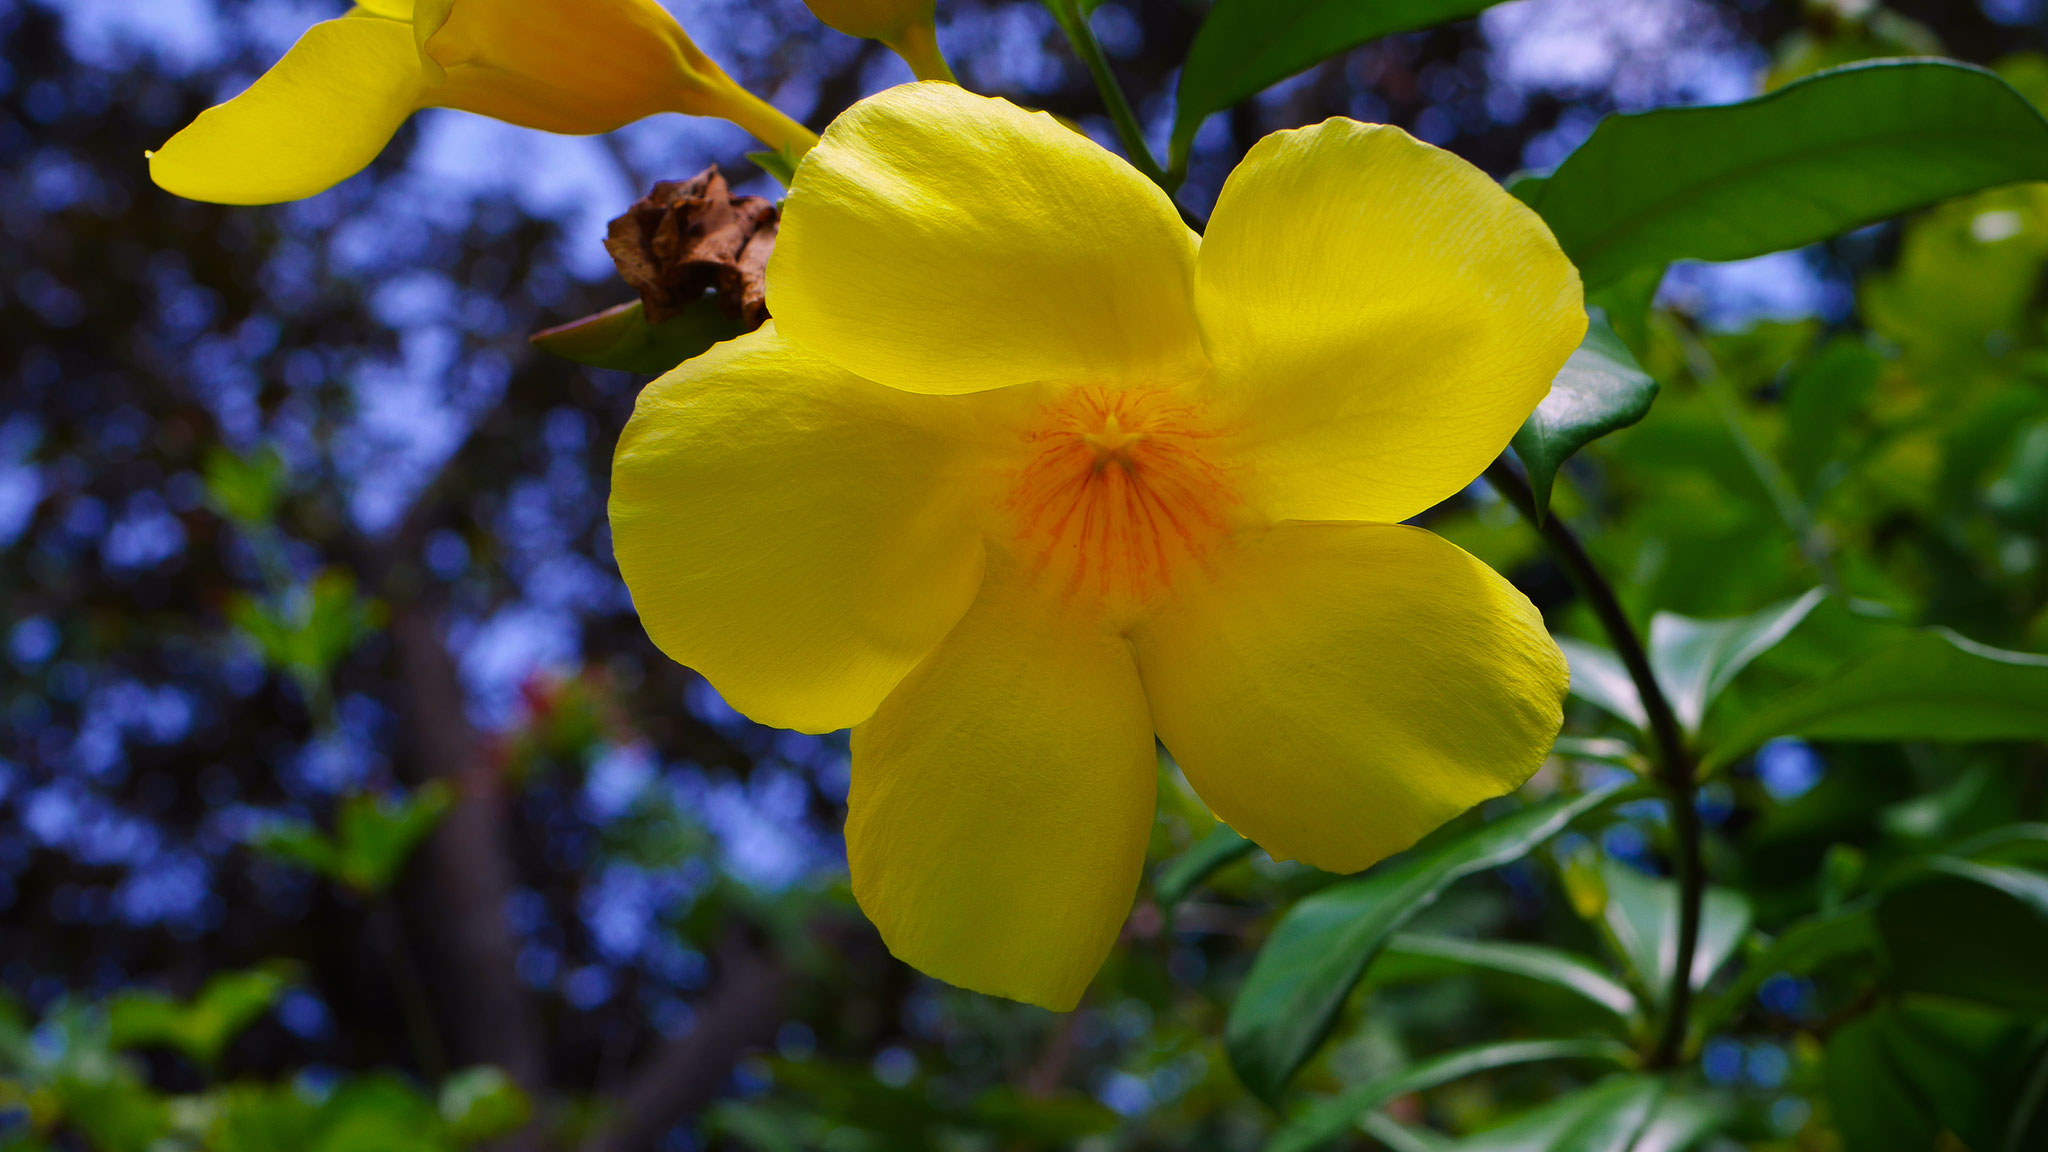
(1082, 37)
(1674, 767)
(919, 47)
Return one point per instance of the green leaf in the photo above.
(621, 338)
(1601, 389)
(1318, 951)
(1816, 158)
(1971, 931)
(780, 165)
(379, 1113)
(260, 1118)
(306, 633)
(1695, 659)
(1246, 46)
(1921, 684)
(297, 842)
(202, 1028)
(245, 489)
(1400, 1137)
(1559, 969)
(483, 1103)
(1901, 1076)
(1642, 915)
(2024, 843)
(375, 834)
(1328, 1120)
(1599, 678)
(1179, 876)
(1820, 401)
(1618, 1114)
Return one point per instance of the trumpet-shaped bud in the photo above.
(569, 66)
(904, 25)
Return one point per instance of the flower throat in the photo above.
(1118, 491)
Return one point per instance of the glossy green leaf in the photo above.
(1921, 684)
(1823, 156)
(1179, 876)
(1642, 915)
(1557, 968)
(621, 338)
(1246, 46)
(1298, 984)
(1695, 659)
(1971, 931)
(1328, 1120)
(1601, 389)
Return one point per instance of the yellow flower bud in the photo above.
(570, 66)
(904, 25)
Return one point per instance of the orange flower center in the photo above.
(1118, 489)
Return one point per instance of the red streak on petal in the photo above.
(1118, 490)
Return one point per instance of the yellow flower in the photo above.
(1024, 472)
(571, 66)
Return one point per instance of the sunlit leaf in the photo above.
(1601, 389)
(1823, 156)
(1695, 659)
(1322, 946)
(1599, 678)
(1642, 915)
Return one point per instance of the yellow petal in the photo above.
(315, 119)
(388, 9)
(941, 241)
(579, 66)
(1335, 691)
(1002, 798)
(1382, 314)
(797, 535)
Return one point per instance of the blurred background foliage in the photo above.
(344, 805)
